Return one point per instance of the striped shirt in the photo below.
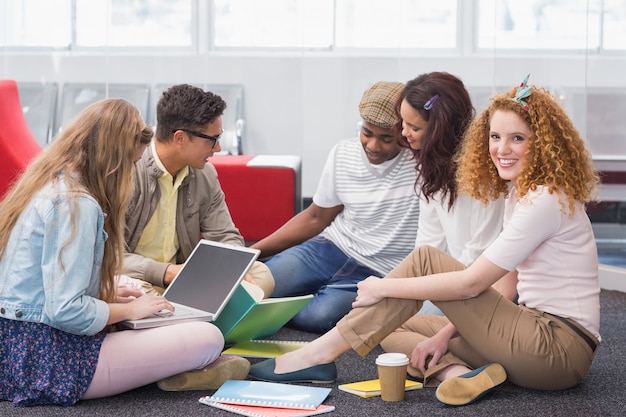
(378, 224)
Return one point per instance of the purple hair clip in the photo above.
(430, 103)
(522, 92)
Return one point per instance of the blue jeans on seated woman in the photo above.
(314, 267)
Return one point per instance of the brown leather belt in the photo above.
(592, 344)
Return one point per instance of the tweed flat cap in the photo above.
(378, 104)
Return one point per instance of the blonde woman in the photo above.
(61, 247)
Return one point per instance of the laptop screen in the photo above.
(210, 275)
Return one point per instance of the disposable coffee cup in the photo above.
(392, 375)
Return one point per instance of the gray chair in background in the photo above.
(75, 97)
(39, 101)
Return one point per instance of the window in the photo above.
(556, 24)
(273, 23)
(98, 23)
(614, 25)
(398, 24)
(27, 23)
(326, 24)
(202, 25)
(134, 23)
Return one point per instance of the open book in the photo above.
(371, 387)
(248, 316)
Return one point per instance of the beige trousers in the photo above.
(537, 350)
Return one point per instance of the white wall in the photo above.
(302, 104)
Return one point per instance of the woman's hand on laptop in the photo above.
(139, 308)
(126, 294)
(148, 305)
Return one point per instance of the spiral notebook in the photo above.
(268, 394)
(254, 411)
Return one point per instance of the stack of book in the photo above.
(264, 399)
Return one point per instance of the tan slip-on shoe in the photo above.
(469, 387)
(210, 377)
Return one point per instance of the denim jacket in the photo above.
(45, 279)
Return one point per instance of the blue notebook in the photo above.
(269, 394)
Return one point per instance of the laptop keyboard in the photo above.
(163, 313)
(180, 311)
(183, 311)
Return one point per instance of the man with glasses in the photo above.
(177, 197)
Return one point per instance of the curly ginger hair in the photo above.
(557, 156)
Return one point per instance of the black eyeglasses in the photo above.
(215, 139)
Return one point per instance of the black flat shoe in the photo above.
(319, 374)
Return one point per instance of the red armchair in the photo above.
(262, 192)
(18, 146)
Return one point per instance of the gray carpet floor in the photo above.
(603, 393)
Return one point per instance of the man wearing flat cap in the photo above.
(362, 222)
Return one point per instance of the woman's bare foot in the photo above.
(451, 372)
(324, 349)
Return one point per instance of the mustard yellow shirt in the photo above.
(159, 240)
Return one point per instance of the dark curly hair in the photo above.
(557, 156)
(186, 106)
(446, 123)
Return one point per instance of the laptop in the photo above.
(204, 284)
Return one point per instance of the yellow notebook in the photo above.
(371, 388)
(263, 348)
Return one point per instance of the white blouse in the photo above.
(465, 231)
(555, 255)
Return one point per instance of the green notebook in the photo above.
(248, 316)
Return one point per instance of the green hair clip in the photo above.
(522, 92)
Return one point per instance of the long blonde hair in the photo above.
(96, 154)
(557, 156)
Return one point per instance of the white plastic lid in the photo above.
(392, 359)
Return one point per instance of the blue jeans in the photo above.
(309, 268)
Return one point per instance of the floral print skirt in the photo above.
(43, 365)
